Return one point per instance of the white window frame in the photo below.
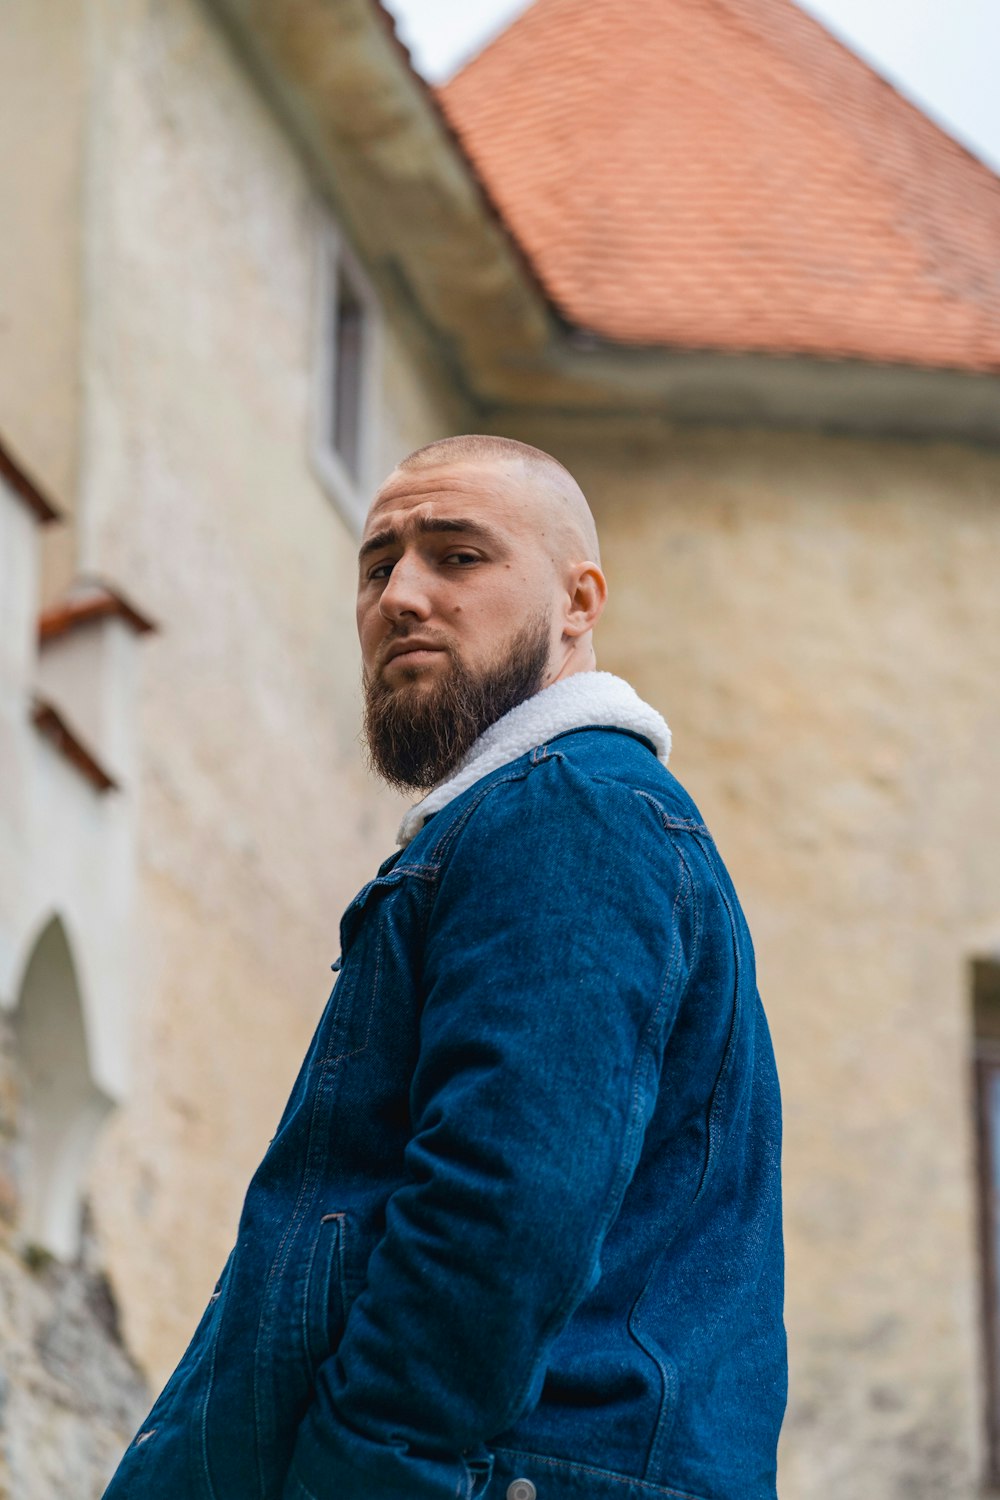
(350, 495)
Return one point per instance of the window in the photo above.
(986, 1002)
(346, 386)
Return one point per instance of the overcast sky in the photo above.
(944, 54)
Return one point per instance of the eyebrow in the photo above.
(390, 537)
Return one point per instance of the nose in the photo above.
(405, 595)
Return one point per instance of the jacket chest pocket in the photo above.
(378, 935)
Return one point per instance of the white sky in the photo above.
(944, 54)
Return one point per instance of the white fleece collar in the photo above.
(597, 698)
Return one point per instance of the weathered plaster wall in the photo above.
(43, 145)
(70, 1395)
(198, 497)
(819, 620)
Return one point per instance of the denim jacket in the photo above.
(519, 1230)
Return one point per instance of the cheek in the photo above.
(370, 629)
(486, 619)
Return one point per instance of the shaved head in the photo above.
(479, 584)
(561, 504)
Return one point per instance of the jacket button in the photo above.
(521, 1489)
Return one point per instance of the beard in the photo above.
(416, 734)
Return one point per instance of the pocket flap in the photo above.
(353, 917)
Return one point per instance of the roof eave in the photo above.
(375, 137)
(342, 84)
(764, 390)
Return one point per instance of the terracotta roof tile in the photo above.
(724, 174)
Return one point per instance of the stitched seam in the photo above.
(696, 907)
(683, 825)
(206, 1394)
(669, 1378)
(666, 1366)
(386, 882)
(426, 873)
(306, 1290)
(609, 1474)
(724, 1068)
(669, 820)
(454, 828)
(334, 1265)
(264, 1348)
(330, 1061)
(616, 1185)
(711, 1154)
(278, 1265)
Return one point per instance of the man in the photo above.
(519, 1230)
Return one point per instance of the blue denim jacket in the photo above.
(521, 1216)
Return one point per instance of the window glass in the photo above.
(344, 418)
(348, 333)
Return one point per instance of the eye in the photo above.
(380, 572)
(463, 559)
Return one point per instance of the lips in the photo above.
(410, 646)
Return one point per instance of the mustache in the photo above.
(428, 637)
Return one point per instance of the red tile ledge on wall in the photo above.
(22, 484)
(49, 721)
(86, 602)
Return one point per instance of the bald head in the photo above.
(478, 563)
(556, 500)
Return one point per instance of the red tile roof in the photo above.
(724, 174)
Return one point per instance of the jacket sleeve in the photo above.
(553, 966)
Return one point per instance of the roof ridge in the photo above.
(848, 54)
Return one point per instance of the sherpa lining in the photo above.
(597, 698)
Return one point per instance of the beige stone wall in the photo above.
(819, 620)
(43, 146)
(257, 822)
(70, 1396)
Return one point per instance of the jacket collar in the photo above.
(586, 698)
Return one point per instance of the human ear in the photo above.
(586, 598)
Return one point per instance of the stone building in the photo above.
(751, 297)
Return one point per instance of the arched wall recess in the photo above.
(62, 1108)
